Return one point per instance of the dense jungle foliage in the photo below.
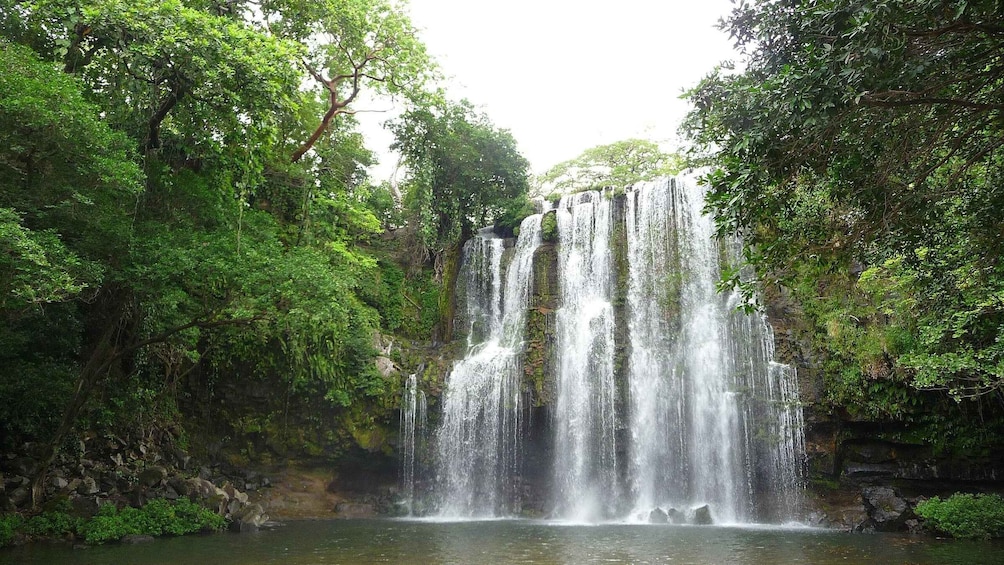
(183, 193)
(857, 149)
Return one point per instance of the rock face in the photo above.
(249, 518)
(355, 510)
(88, 486)
(116, 472)
(538, 364)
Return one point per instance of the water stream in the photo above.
(667, 399)
(713, 419)
(412, 430)
(585, 420)
(479, 441)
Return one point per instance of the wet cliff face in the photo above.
(538, 365)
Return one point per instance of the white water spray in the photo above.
(479, 441)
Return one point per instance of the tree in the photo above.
(363, 44)
(464, 173)
(69, 183)
(619, 164)
(152, 207)
(870, 133)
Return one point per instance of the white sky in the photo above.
(566, 75)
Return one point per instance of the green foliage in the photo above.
(380, 199)
(425, 314)
(516, 210)
(9, 526)
(63, 208)
(69, 182)
(52, 524)
(464, 173)
(158, 517)
(549, 228)
(152, 225)
(968, 516)
(618, 164)
(811, 166)
(37, 266)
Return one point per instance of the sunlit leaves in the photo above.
(618, 164)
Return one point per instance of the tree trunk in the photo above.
(104, 354)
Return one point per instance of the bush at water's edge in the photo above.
(970, 516)
(158, 517)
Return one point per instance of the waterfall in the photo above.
(663, 394)
(412, 432)
(479, 441)
(585, 466)
(712, 418)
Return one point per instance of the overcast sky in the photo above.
(566, 75)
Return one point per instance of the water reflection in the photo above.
(519, 542)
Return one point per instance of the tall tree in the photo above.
(464, 173)
(352, 45)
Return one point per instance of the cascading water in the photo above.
(480, 437)
(585, 465)
(712, 419)
(665, 395)
(412, 432)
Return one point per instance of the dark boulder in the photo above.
(702, 515)
(887, 509)
(152, 476)
(658, 516)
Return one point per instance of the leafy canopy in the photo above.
(464, 173)
(870, 133)
(155, 226)
(618, 164)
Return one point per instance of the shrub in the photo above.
(190, 517)
(549, 228)
(51, 524)
(9, 525)
(159, 517)
(965, 515)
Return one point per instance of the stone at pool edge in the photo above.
(658, 516)
(702, 515)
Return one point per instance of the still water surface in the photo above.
(519, 541)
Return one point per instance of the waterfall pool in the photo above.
(361, 542)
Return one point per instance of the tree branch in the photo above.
(166, 105)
